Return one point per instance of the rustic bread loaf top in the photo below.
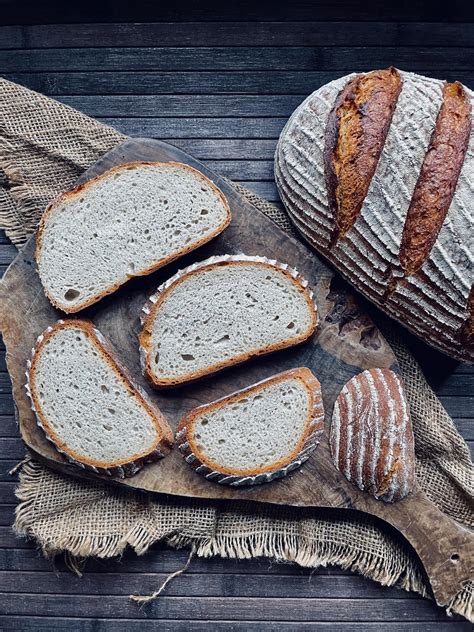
(87, 405)
(128, 222)
(371, 435)
(257, 434)
(221, 312)
(376, 171)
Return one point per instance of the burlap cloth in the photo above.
(44, 147)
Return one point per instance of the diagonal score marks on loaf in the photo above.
(437, 245)
(438, 178)
(300, 152)
(370, 250)
(355, 135)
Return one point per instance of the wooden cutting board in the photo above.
(346, 343)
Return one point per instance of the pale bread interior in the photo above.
(256, 431)
(86, 404)
(222, 312)
(121, 226)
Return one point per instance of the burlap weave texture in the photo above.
(44, 147)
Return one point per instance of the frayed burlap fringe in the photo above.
(44, 147)
(309, 538)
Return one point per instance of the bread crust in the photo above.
(155, 301)
(82, 188)
(371, 437)
(434, 302)
(235, 477)
(355, 135)
(438, 178)
(164, 435)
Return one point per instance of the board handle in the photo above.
(445, 547)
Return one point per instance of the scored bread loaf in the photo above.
(221, 312)
(371, 435)
(376, 171)
(255, 435)
(87, 405)
(127, 222)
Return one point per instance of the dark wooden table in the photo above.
(219, 82)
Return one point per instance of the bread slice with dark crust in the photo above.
(242, 445)
(130, 221)
(77, 386)
(221, 312)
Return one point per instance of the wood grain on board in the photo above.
(346, 343)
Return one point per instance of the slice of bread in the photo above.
(87, 404)
(255, 435)
(128, 222)
(221, 312)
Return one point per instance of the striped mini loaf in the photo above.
(376, 172)
(371, 435)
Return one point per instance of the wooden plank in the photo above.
(7, 516)
(32, 12)
(184, 105)
(459, 406)
(456, 385)
(7, 493)
(204, 82)
(3, 238)
(7, 253)
(342, 59)
(5, 382)
(228, 148)
(307, 33)
(159, 559)
(216, 608)
(8, 540)
(6, 465)
(6, 405)
(200, 585)
(12, 448)
(195, 127)
(466, 428)
(8, 426)
(46, 624)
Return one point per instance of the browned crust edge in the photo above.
(146, 332)
(79, 190)
(314, 427)
(331, 141)
(439, 174)
(164, 440)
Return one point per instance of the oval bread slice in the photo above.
(257, 434)
(128, 222)
(88, 406)
(371, 435)
(221, 312)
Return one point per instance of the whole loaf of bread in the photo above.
(376, 171)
